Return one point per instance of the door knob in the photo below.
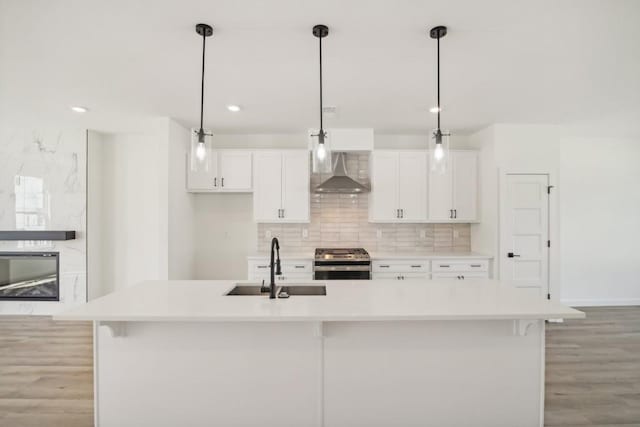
(512, 255)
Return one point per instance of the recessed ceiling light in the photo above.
(79, 109)
(434, 110)
(234, 108)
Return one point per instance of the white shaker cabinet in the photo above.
(221, 171)
(281, 186)
(399, 186)
(453, 195)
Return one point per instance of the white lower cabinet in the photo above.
(460, 269)
(292, 271)
(400, 269)
(381, 269)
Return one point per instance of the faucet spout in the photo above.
(274, 267)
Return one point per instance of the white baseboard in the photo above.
(600, 302)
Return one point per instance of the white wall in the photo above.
(135, 203)
(95, 207)
(600, 213)
(181, 215)
(596, 259)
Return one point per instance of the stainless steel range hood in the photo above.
(340, 182)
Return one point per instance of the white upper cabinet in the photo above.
(281, 186)
(453, 196)
(398, 186)
(221, 171)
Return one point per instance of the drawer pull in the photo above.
(416, 266)
(302, 266)
(445, 265)
(476, 265)
(263, 266)
(384, 266)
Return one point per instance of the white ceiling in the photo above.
(544, 61)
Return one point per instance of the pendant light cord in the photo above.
(438, 73)
(321, 123)
(204, 41)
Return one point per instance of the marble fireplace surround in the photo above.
(342, 220)
(43, 187)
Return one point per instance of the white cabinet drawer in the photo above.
(297, 267)
(460, 276)
(458, 265)
(400, 266)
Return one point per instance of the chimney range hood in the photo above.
(340, 182)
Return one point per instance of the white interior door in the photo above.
(412, 185)
(524, 257)
(235, 170)
(267, 186)
(295, 186)
(441, 195)
(383, 198)
(465, 185)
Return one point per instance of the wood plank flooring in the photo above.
(593, 371)
(46, 372)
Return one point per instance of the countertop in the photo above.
(380, 300)
(380, 255)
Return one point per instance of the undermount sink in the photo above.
(281, 291)
(246, 290)
(312, 290)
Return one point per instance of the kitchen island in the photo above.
(368, 353)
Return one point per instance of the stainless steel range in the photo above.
(342, 264)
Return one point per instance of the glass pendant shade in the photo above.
(439, 151)
(321, 154)
(200, 151)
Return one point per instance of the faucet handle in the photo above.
(264, 289)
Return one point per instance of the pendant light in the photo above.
(321, 154)
(439, 141)
(205, 31)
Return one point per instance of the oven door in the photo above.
(342, 272)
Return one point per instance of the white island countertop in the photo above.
(379, 300)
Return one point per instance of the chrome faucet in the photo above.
(274, 267)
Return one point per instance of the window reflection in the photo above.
(32, 203)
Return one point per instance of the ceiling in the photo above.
(544, 61)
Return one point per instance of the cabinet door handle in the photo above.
(279, 213)
(397, 213)
(215, 181)
(222, 181)
(451, 213)
(455, 213)
(283, 213)
(511, 255)
(401, 213)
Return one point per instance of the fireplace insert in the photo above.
(29, 276)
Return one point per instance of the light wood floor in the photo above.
(593, 371)
(46, 371)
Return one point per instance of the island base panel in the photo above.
(342, 374)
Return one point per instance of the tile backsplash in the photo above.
(342, 220)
